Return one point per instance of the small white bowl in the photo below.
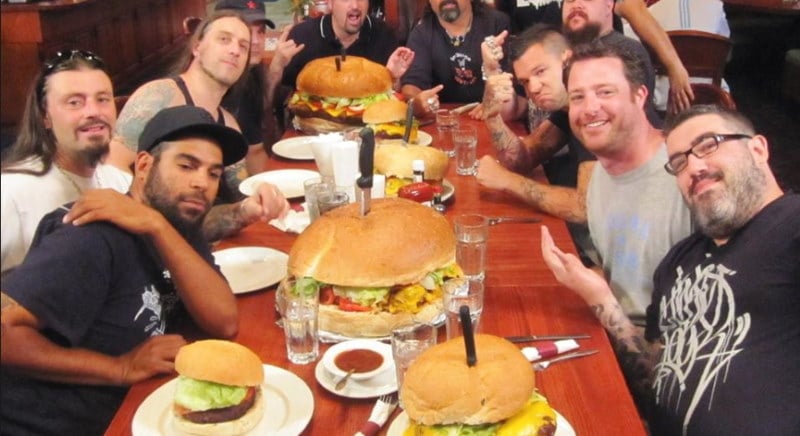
(385, 350)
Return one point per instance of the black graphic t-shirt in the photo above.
(458, 67)
(729, 317)
(94, 287)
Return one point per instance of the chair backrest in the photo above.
(704, 54)
(708, 93)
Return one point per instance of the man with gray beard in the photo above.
(720, 352)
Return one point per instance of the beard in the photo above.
(586, 34)
(160, 199)
(720, 212)
(451, 14)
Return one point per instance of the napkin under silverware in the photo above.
(380, 414)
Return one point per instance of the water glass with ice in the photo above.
(300, 307)
(462, 292)
(465, 142)
(408, 342)
(472, 234)
(331, 200)
(313, 188)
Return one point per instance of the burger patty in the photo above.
(303, 110)
(224, 414)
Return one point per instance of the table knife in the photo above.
(533, 338)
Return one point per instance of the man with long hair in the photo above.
(64, 133)
(213, 64)
(87, 314)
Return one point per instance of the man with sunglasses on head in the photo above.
(89, 311)
(65, 131)
(720, 352)
(213, 63)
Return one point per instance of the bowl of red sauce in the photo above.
(365, 357)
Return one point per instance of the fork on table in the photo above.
(380, 414)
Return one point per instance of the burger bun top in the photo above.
(398, 242)
(385, 111)
(357, 78)
(222, 362)
(439, 387)
(392, 159)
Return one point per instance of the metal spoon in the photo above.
(343, 381)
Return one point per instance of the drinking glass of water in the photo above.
(462, 292)
(300, 307)
(472, 233)
(408, 342)
(446, 121)
(465, 142)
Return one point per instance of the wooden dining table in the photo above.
(522, 298)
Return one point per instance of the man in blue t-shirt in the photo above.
(87, 313)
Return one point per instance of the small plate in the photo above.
(384, 383)
(289, 182)
(288, 406)
(328, 359)
(400, 424)
(249, 269)
(297, 148)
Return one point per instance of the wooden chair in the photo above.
(708, 93)
(704, 54)
(190, 23)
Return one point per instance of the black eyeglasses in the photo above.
(61, 58)
(700, 148)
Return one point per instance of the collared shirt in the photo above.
(376, 42)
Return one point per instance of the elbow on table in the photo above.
(225, 328)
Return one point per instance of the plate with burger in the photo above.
(333, 92)
(387, 119)
(379, 271)
(289, 182)
(394, 161)
(223, 388)
(441, 394)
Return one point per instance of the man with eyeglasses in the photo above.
(90, 310)
(65, 131)
(213, 63)
(720, 352)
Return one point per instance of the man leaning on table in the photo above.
(721, 352)
(86, 314)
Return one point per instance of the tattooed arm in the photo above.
(521, 155)
(637, 356)
(142, 105)
(265, 204)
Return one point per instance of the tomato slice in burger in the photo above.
(350, 306)
(326, 295)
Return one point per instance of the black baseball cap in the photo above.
(185, 121)
(252, 11)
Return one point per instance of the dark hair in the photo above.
(632, 66)
(478, 8)
(549, 36)
(737, 119)
(34, 139)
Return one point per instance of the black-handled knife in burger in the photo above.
(409, 121)
(366, 161)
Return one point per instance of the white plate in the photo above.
(328, 359)
(249, 269)
(297, 148)
(423, 139)
(400, 424)
(289, 182)
(288, 406)
(447, 190)
(382, 384)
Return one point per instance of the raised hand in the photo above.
(570, 272)
(492, 52)
(498, 91)
(426, 102)
(265, 204)
(285, 50)
(399, 62)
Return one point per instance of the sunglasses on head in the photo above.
(63, 57)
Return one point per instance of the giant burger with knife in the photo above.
(378, 271)
(443, 395)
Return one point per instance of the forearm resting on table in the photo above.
(26, 352)
(224, 220)
(559, 201)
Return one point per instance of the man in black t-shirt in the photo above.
(721, 351)
(87, 313)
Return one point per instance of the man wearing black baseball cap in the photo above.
(102, 283)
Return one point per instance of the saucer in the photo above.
(382, 384)
(384, 350)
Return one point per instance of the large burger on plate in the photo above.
(218, 390)
(394, 161)
(376, 272)
(442, 395)
(332, 93)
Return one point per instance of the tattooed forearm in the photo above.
(223, 220)
(235, 174)
(559, 201)
(140, 108)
